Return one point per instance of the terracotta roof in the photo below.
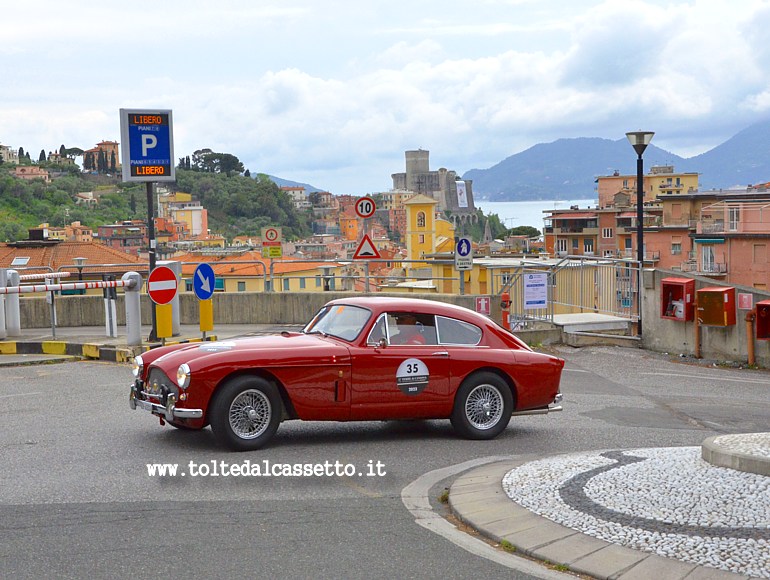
(57, 255)
(234, 265)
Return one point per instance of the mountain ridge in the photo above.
(567, 168)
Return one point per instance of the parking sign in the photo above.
(147, 145)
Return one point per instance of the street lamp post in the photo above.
(79, 264)
(639, 141)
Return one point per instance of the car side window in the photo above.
(452, 331)
(409, 328)
(378, 332)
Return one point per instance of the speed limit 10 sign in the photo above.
(365, 207)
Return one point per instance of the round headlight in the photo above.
(137, 366)
(183, 376)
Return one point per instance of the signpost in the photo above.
(366, 249)
(204, 282)
(365, 207)
(271, 242)
(463, 254)
(147, 147)
(162, 285)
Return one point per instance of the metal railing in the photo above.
(578, 284)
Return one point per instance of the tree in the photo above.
(529, 231)
(74, 152)
(228, 164)
(21, 152)
(113, 163)
(42, 158)
(247, 173)
(62, 151)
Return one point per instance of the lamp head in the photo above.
(639, 140)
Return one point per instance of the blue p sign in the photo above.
(147, 145)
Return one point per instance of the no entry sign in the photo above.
(162, 285)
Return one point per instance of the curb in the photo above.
(477, 498)
(713, 452)
(87, 351)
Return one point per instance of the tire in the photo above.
(483, 406)
(245, 413)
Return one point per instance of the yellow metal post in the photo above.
(206, 315)
(163, 319)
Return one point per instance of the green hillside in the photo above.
(237, 205)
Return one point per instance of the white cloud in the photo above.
(332, 94)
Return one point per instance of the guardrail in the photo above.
(10, 288)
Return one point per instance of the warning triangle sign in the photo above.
(366, 249)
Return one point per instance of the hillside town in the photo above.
(719, 234)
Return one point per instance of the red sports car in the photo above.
(358, 359)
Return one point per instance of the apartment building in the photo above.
(661, 180)
(721, 234)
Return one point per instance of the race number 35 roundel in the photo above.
(162, 285)
(412, 376)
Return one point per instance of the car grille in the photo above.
(159, 386)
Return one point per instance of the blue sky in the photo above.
(332, 93)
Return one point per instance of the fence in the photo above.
(576, 284)
(10, 311)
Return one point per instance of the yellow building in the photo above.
(420, 228)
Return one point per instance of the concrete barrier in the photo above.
(229, 308)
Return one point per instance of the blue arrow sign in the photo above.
(204, 281)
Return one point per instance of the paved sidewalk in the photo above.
(91, 342)
(632, 514)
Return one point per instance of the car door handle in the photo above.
(440, 353)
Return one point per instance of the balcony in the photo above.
(713, 270)
(576, 229)
(711, 227)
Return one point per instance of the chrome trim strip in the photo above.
(552, 408)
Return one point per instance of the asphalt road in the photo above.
(76, 499)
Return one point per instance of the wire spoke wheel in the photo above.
(250, 414)
(484, 407)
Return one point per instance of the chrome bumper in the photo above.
(552, 408)
(170, 411)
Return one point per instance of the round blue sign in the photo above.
(204, 281)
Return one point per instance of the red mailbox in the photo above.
(763, 320)
(716, 306)
(677, 299)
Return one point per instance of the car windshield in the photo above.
(340, 320)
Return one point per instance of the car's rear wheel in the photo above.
(483, 406)
(245, 413)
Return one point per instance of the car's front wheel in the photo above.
(245, 413)
(483, 406)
